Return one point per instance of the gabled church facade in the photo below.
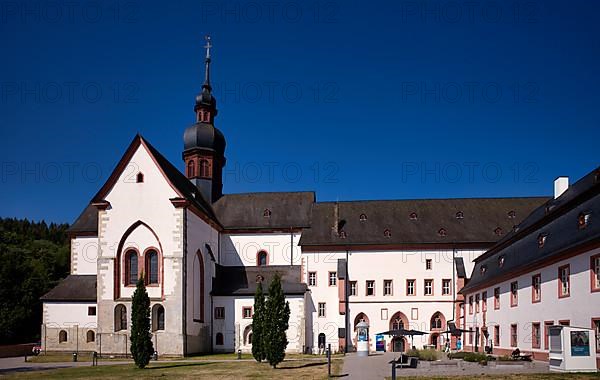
(391, 263)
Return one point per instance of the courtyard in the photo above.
(227, 366)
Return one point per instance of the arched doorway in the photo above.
(360, 317)
(435, 340)
(398, 344)
(321, 343)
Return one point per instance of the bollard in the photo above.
(329, 360)
(239, 352)
(155, 355)
(74, 356)
(94, 359)
(393, 363)
(25, 357)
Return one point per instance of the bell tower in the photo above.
(203, 144)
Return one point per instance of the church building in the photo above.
(391, 263)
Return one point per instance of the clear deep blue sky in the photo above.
(354, 100)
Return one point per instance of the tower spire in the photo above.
(207, 62)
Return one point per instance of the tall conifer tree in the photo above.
(258, 321)
(277, 316)
(141, 340)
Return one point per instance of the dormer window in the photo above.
(583, 220)
(363, 217)
(516, 228)
(501, 260)
(412, 216)
(342, 234)
(460, 215)
(512, 214)
(267, 213)
(483, 269)
(387, 233)
(139, 178)
(442, 232)
(541, 240)
(498, 231)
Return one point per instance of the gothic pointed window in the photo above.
(191, 169)
(131, 267)
(204, 168)
(151, 267)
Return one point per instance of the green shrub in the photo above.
(457, 355)
(474, 357)
(427, 355)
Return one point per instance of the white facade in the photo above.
(532, 312)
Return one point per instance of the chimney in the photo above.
(561, 184)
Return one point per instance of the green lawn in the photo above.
(298, 369)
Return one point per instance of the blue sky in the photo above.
(354, 100)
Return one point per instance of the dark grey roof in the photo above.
(240, 280)
(204, 136)
(80, 288)
(459, 263)
(87, 222)
(246, 211)
(481, 217)
(557, 219)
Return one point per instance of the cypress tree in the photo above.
(141, 340)
(258, 350)
(276, 322)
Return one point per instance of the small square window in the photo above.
(312, 278)
(387, 287)
(428, 287)
(321, 309)
(332, 278)
(219, 312)
(247, 312)
(91, 310)
(370, 288)
(428, 264)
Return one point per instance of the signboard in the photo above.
(580, 343)
(379, 343)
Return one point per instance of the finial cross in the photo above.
(207, 46)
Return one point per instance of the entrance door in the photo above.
(321, 341)
(434, 340)
(398, 344)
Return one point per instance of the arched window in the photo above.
(204, 168)
(151, 257)
(139, 178)
(261, 258)
(62, 336)
(248, 335)
(191, 169)
(131, 267)
(397, 324)
(90, 336)
(158, 317)
(361, 317)
(198, 289)
(219, 339)
(120, 317)
(437, 321)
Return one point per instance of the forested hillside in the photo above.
(34, 257)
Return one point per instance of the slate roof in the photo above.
(481, 217)
(459, 264)
(74, 288)
(246, 211)
(87, 222)
(558, 219)
(240, 280)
